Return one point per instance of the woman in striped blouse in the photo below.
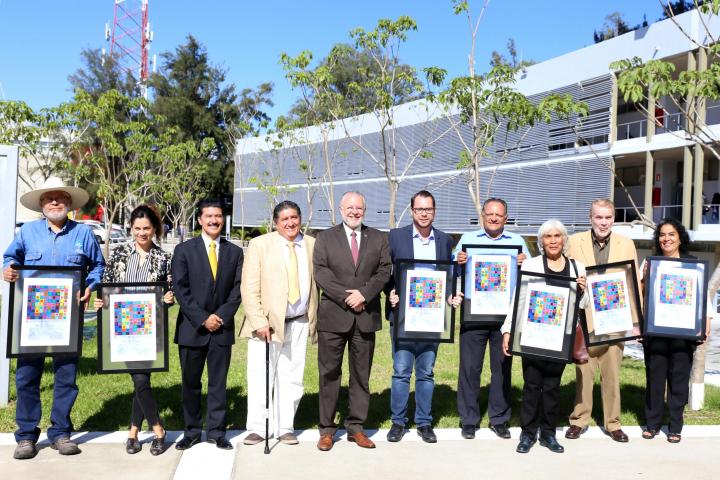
(141, 261)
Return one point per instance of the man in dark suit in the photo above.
(352, 265)
(206, 274)
(419, 241)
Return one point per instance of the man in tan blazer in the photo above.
(596, 247)
(280, 300)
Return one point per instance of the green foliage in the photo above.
(512, 59)
(102, 73)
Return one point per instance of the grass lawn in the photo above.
(104, 400)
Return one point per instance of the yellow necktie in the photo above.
(293, 281)
(212, 256)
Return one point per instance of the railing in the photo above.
(671, 122)
(711, 213)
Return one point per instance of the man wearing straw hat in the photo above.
(58, 241)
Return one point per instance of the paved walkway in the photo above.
(593, 456)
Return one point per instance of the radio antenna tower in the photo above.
(130, 38)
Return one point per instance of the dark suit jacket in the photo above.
(401, 247)
(199, 295)
(335, 273)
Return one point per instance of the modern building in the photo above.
(546, 172)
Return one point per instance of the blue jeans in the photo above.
(29, 411)
(405, 355)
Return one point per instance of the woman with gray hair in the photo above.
(541, 390)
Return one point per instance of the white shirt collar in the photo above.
(207, 240)
(349, 230)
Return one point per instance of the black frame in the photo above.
(467, 318)
(15, 299)
(631, 279)
(565, 354)
(698, 331)
(448, 334)
(161, 363)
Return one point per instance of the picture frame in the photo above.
(45, 314)
(133, 328)
(544, 316)
(676, 298)
(615, 312)
(423, 314)
(488, 288)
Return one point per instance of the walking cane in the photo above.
(267, 394)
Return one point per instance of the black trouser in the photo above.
(472, 355)
(667, 361)
(541, 396)
(143, 405)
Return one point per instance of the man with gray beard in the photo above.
(57, 241)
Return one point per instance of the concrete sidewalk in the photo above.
(452, 458)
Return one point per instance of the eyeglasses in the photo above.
(418, 211)
(55, 197)
(355, 209)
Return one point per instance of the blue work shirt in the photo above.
(423, 250)
(479, 237)
(74, 245)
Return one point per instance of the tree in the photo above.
(676, 8)
(615, 25)
(102, 73)
(512, 59)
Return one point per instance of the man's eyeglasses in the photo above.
(418, 211)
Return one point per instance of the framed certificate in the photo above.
(545, 316)
(614, 314)
(488, 283)
(132, 327)
(676, 298)
(423, 314)
(45, 312)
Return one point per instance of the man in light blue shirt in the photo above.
(56, 241)
(474, 339)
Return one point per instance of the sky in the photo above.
(41, 40)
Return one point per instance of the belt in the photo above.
(292, 319)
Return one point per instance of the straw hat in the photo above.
(31, 200)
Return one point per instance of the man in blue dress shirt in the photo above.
(58, 241)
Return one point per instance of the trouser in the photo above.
(143, 405)
(472, 355)
(331, 347)
(540, 406)
(28, 409)
(607, 359)
(287, 366)
(668, 361)
(422, 357)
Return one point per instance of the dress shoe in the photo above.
(396, 433)
(326, 442)
(361, 439)
(25, 450)
(65, 446)
(427, 434)
(132, 446)
(221, 442)
(186, 443)
(525, 444)
(157, 446)
(253, 439)
(468, 431)
(501, 430)
(574, 432)
(619, 436)
(288, 438)
(551, 443)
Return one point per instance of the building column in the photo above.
(687, 180)
(649, 184)
(695, 126)
(612, 138)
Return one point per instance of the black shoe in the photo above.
(186, 443)
(221, 443)
(158, 445)
(526, 443)
(501, 430)
(132, 446)
(427, 434)
(396, 433)
(468, 431)
(551, 443)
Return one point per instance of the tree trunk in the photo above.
(697, 378)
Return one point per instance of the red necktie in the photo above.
(354, 247)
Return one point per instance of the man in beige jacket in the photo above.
(596, 247)
(280, 300)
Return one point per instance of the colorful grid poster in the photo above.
(425, 294)
(609, 304)
(133, 325)
(675, 296)
(491, 289)
(545, 318)
(46, 313)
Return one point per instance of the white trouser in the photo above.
(287, 366)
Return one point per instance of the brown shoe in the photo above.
(253, 439)
(574, 432)
(361, 439)
(619, 436)
(288, 439)
(326, 442)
